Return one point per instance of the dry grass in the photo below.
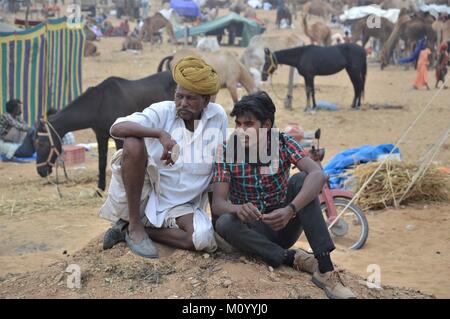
(392, 180)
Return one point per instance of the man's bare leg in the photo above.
(175, 237)
(134, 161)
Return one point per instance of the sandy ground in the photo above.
(41, 234)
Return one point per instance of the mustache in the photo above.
(185, 110)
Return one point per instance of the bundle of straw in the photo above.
(389, 184)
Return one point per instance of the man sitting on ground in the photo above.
(16, 137)
(258, 209)
(152, 195)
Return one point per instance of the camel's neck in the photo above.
(246, 79)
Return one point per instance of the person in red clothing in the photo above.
(441, 68)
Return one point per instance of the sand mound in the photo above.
(117, 273)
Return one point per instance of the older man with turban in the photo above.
(160, 178)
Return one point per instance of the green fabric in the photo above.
(250, 27)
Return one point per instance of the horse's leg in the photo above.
(355, 77)
(313, 93)
(308, 82)
(102, 142)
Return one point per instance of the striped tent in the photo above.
(41, 67)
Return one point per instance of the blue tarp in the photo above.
(344, 160)
(21, 159)
(185, 8)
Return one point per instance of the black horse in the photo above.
(312, 60)
(98, 108)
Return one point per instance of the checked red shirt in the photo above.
(252, 182)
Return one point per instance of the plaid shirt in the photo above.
(7, 121)
(249, 184)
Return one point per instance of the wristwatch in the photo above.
(294, 209)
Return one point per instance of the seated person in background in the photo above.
(16, 136)
(259, 209)
(69, 138)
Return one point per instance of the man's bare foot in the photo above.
(428, 88)
(415, 87)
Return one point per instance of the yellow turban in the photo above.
(193, 74)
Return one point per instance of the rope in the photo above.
(426, 163)
(400, 140)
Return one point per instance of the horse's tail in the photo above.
(363, 73)
(165, 60)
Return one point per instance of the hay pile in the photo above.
(392, 180)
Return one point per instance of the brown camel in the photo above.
(361, 31)
(227, 65)
(410, 30)
(132, 43)
(319, 33)
(253, 56)
(442, 29)
(90, 49)
(319, 8)
(151, 28)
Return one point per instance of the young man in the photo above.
(259, 210)
(152, 195)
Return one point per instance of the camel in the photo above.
(319, 33)
(132, 43)
(151, 28)
(409, 30)
(227, 65)
(253, 56)
(90, 49)
(361, 31)
(319, 8)
(442, 29)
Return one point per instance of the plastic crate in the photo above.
(73, 155)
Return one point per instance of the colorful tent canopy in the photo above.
(185, 8)
(249, 28)
(41, 66)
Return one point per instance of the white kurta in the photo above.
(186, 180)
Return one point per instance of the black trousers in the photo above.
(259, 239)
(26, 149)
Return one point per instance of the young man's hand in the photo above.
(168, 143)
(248, 213)
(279, 218)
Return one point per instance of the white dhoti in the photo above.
(116, 206)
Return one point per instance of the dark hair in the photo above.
(12, 106)
(259, 104)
